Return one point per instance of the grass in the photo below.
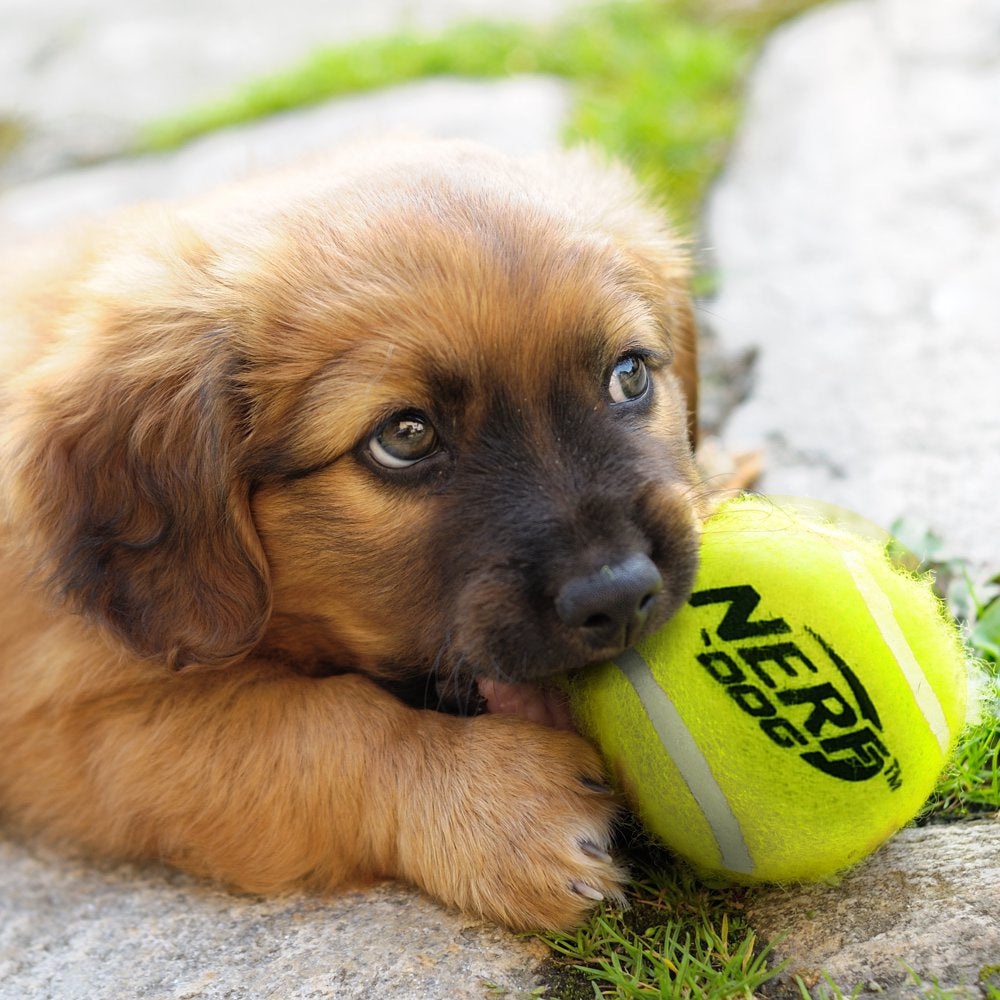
(989, 979)
(656, 82)
(971, 786)
(677, 938)
(917, 987)
(12, 134)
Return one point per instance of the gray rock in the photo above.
(855, 234)
(520, 115)
(928, 902)
(72, 929)
(81, 77)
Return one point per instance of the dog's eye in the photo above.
(629, 379)
(403, 440)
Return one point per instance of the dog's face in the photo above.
(441, 410)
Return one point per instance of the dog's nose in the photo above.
(610, 606)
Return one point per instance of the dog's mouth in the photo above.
(546, 705)
(596, 628)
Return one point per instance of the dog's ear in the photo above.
(123, 452)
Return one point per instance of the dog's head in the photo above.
(422, 412)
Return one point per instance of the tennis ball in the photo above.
(795, 713)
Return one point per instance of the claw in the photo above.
(593, 851)
(588, 892)
(596, 786)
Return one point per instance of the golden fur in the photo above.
(210, 589)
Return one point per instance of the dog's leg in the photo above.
(506, 818)
(266, 780)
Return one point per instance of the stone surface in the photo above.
(79, 76)
(492, 112)
(82, 930)
(855, 234)
(928, 902)
(855, 231)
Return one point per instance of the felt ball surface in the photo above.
(795, 713)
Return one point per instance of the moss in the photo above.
(12, 134)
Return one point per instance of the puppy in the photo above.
(300, 478)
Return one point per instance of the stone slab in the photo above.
(80, 76)
(855, 236)
(522, 114)
(928, 902)
(72, 929)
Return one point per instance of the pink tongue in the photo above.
(527, 701)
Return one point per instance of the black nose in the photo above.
(610, 606)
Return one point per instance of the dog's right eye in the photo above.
(629, 379)
(403, 440)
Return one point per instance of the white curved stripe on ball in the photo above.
(884, 617)
(684, 751)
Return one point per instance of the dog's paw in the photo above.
(511, 821)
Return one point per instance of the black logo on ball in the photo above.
(801, 692)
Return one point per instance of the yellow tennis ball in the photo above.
(795, 713)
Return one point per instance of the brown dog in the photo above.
(285, 468)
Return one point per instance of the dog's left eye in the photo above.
(403, 440)
(629, 379)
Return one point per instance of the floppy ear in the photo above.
(123, 449)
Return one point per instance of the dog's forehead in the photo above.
(485, 287)
(438, 291)
(464, 335)
(525, 318)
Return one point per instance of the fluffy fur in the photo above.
(226, 623)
